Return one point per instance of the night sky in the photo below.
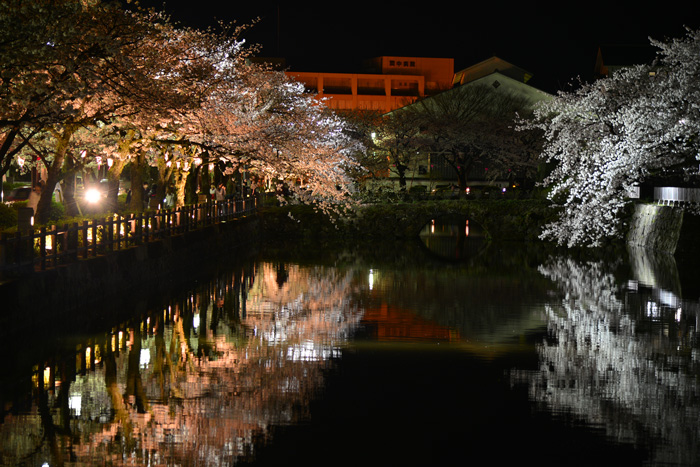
(556, 46)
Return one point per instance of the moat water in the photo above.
(447, 350)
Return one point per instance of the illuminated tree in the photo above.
(607, 136)
(87, 79)
(262, 121)
(70, 65)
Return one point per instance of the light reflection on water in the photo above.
(455, 238)
(416, 362)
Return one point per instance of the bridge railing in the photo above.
(674, 195)
(30, 250)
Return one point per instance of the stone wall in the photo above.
(655, 227)
(51, 298)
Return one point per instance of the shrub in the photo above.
(8, 217)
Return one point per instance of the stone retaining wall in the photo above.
(158, 267)
(655, 227)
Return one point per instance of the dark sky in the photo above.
(553, 44)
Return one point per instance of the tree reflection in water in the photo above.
(617, 358)
(194, 384)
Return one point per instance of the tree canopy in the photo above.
(86, 81)
(609, 135)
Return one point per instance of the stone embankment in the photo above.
(158, 267)
(665, 229)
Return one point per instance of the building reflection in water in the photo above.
(623, 356)
(198, 382)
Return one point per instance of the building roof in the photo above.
(488, 66)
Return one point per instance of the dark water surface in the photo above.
(375, 356)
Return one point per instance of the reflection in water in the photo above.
(453, 238)
(196, 383)
(418, 350)
(621, 359)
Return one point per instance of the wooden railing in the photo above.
(47, 247)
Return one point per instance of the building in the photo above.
(494, 74)
(388, 83)
(488, 67)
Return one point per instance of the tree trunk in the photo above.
(44, 206)
(68, 188)
(401, 171)
(180, 184)
(137, 192)
(113, 176)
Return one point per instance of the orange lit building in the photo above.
(388, 84)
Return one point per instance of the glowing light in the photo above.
(47, 376)
(195, 321)
(75, 404)
(20, 161)
(371, 279)
(110, 161)
(144, 358)
(93, 195)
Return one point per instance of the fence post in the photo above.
(116, 221)
(72, 241)
(3, 252)
(146, 227)
(109, 227)
(94, 237)
(138, 228)
(83, 234)
(42, 247)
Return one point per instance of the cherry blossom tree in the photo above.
(609, 135)
(260, 120)
(90, 78)
(74, 65)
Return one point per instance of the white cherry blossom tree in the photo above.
(609, 135)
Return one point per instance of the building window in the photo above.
(392, 63)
